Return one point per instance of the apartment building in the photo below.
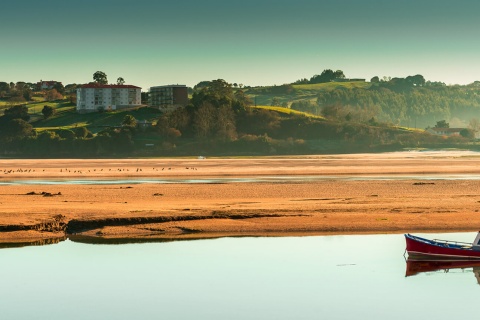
(168, 97)
(98, 97)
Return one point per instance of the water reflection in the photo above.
(258, 179)
(107, 241)
(268, 278)
(416, 267)
(41, 242)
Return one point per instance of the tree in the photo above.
(474, 124)
(416, 80)
(16, 129)
(129, 121)
(375, 79)
(66, 134)
(16, 100)
(59, 87)
(100, 77)
(53, 94)
(242, 101)
(27, 94)
(179, 119)
(48, 111)
(19, 86)
(16, 112)
(204, 120)
(331, 111)
(327, 76)
(467, 133)
(275, 102)
(173, 133)
(120, 81)
(442, 124)
(4, 88)
(225, 123)
(217, 92)
(81, 132)
(201, 84)
(339, 74)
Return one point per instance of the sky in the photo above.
(252, 42)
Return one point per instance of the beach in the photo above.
(257, 196)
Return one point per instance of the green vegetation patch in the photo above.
(94, 121)
(328, 86)
(289, 111)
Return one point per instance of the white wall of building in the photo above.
(109, 98)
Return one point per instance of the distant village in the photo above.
(100, 96)
(95, 97)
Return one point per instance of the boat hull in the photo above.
(420, 248)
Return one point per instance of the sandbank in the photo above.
(177, 198)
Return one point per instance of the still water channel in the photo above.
(321, 277)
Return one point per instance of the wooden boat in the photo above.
(421, 248)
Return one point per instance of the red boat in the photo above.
(420, 248)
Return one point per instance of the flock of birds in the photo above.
(91, 171)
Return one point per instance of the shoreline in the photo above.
(345, 205)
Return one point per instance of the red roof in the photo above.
(104, 86)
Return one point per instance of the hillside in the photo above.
(397, 101)
(286, 94)
(331, 117)
(66, 117)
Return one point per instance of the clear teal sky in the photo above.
(254, 42)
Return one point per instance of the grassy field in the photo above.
(67, 118)
(289, 111)
(300, 92)
(59, 106)
(328, 86)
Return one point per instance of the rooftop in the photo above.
(109, 86)
(170, 86)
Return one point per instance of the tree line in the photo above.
(219, 120)
(409, 101)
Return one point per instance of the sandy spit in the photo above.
(31, 209)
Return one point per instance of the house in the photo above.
(445, 131)
(47, 85)
(98, 97)
(168, 97)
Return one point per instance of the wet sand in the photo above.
(347, 202)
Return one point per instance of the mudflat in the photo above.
(190, 197)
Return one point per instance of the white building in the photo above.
(97, 97)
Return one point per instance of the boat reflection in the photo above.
(415, 267)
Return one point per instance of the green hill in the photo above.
(66, 117)
(289, 111)
(397, 101)
(289, 93)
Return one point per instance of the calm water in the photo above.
(325, 277)
(272, 179)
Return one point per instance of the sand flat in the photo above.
(409, 200)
